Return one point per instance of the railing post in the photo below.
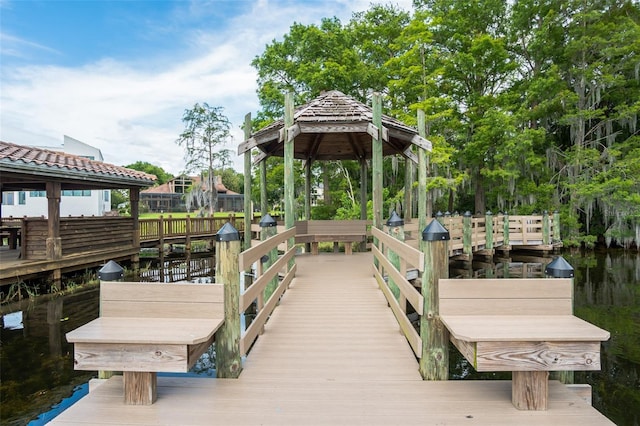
(560, 268)
(556, 226)
(396, 230)
(467, 245)
(434, 363)
(505, 230)
(269, 229)
(546, 237)
(488, 230)
(228, 362)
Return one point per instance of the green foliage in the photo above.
(530, 105)
(144, 166)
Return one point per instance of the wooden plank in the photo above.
(522, 328)
(258, 286)
(405, 325)
(166, 309)
(160, 292)
(406, 288)
(537, 356)
(486, 306)
(128, 330)
(411, 255)
(248, 257)
(131, 357)
(252, 332)
(521, 288)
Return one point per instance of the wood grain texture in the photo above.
(530, 390)
(140, 388)
(537, 356)
(130, 357)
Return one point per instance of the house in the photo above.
(170, 197)
(76, 202)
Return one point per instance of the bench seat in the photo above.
(525, 326)
(146, 328)
(526, 342)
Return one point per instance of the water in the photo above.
(37, 362)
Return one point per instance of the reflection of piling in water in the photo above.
(54, 316)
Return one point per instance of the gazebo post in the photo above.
(363, 189)
(307, 189)
(264, 209)
(376, 161)
(54, 241)
(289, 214)
(422, 177)
(407, 211)
(247, 184)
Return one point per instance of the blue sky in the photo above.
(119, 74)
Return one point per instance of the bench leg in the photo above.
(140, 388)
(314, 248)
(530, 390)
(348, 247)
(336, 247)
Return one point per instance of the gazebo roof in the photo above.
(29, 168)
(335, 126)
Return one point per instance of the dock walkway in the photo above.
(331, 354)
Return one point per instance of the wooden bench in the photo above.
(145, 328)
(521, 325)
(335, 231)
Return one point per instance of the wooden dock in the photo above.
(331, 353)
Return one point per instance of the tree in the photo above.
(206, 130)
(144, 166)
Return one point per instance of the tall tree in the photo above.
(206, 130)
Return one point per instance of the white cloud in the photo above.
(132, 110)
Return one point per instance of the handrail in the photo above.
(170, 227)
(255, 292)
(408, 293)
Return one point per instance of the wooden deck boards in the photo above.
(331, 353)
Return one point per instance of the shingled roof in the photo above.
(335, 126)
(29, 168)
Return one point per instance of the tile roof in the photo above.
(33, 157)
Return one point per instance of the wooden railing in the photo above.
(483, 234)
(391, 278)
(166, 228)
(256, 291)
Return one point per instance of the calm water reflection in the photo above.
(37, 362)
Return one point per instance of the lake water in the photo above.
(37, 362)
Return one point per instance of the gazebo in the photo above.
(55, 244)
(334, 126)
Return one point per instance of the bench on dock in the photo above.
(335, 231)
(145, 328)
(525, 326)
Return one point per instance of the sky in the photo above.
(118, 75)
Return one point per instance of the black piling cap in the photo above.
(267, 221)
(228, 233)
(395, 220)
(111, 271)
(559, 268)
(435, 232)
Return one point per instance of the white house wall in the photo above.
(94, 205)
(97, 204)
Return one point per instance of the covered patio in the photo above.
(52, 245)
